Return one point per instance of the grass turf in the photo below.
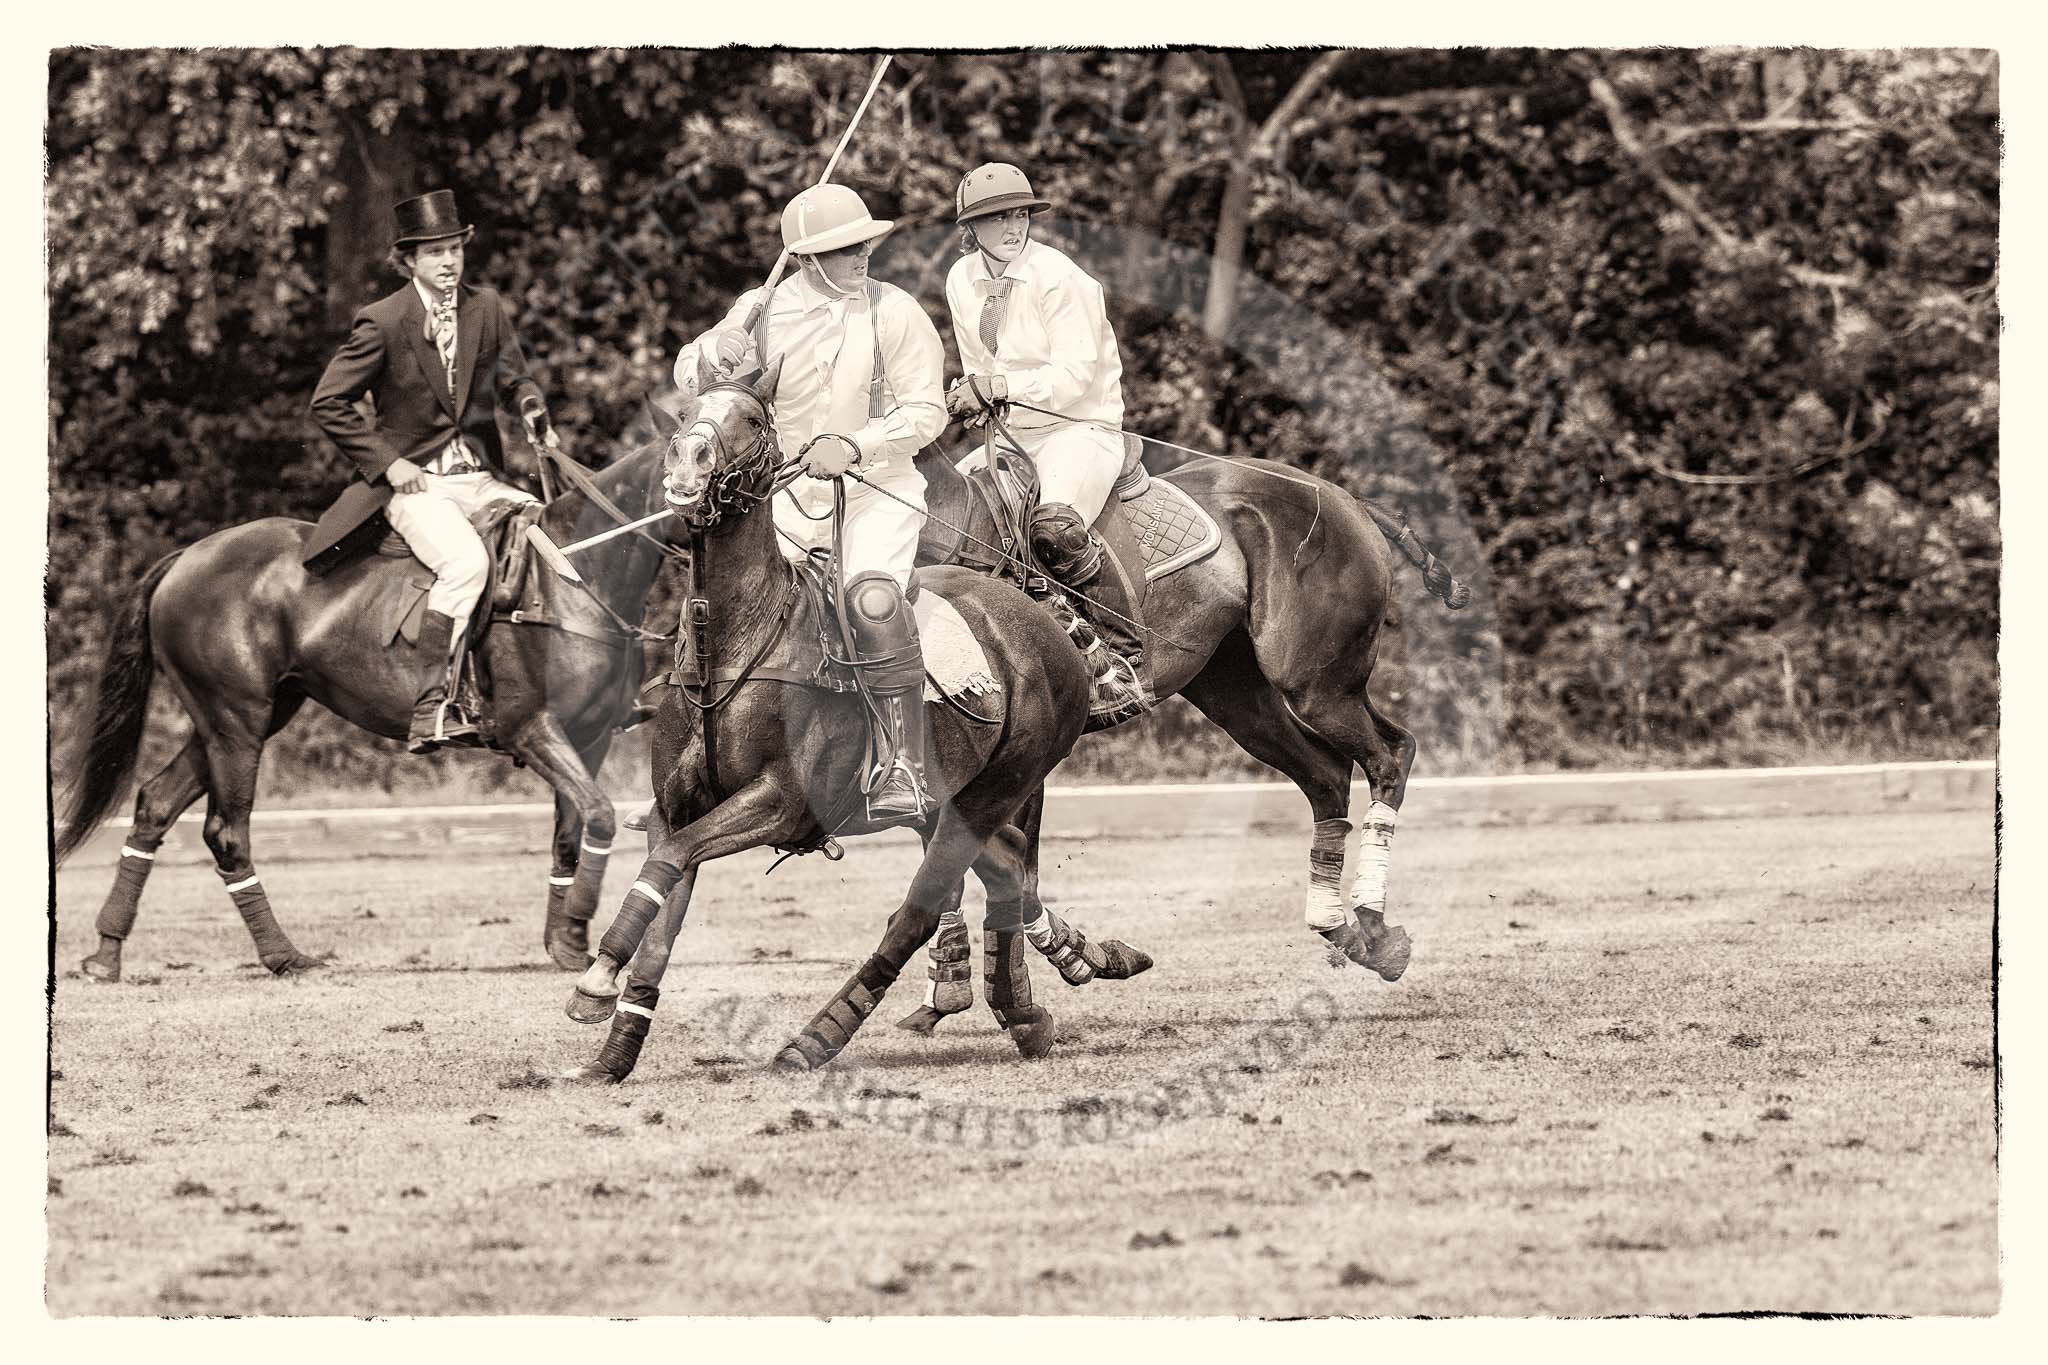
(1684, 1068)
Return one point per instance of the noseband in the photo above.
(741, 480)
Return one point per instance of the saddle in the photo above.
(981, 520)
(818, 652)
(398, 604)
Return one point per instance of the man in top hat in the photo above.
(861, 388)
(1033, 331)
(437, 358)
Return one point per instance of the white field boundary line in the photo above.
(1199, 791)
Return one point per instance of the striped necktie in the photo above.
(441, 326)
(993, 311)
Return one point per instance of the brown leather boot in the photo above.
(436, 720)
(886, 645)
(902, 796)
(1112, 608)
(1112, 644)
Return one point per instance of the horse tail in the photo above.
(1436, 575)
(119, 710)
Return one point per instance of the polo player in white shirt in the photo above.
(1033, 329)
(830, 323)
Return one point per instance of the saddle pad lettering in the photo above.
(952, 656)
(1171, 528)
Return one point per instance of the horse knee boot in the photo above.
(1108, 602)
(885, 639)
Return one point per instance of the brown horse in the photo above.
(747, 754)
(245, 635)
(1274, 638)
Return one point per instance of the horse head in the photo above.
(725, 460)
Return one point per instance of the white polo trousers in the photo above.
(435, 526)
(881, 533)
(1077, 464)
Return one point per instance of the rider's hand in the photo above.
(539, 430)
(726, 349)
(404, 476)
(828, 455)
(963, 401)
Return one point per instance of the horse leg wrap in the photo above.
(586, 882)
(1372, 942)
(642, 903)
(565, 938)
(621, 1050)
(951, 987)
(1006, 985)
(1375, 856)
(117, 915)
(1078, 960)
(1325, 907)
(832, 1027)
(273, 948)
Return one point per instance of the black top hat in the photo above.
(428, 218)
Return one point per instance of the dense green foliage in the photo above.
(1687, 360)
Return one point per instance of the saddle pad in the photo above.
(1171, 528)
(952, 656)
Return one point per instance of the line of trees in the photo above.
(1688, 359)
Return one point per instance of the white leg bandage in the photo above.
(1375, 855)
(1325, 906)
(1039, 931)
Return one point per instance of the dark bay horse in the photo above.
(1274, 638)
(758, 759)
(245, 636)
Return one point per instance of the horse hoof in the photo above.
(586, 1008)
(1035, 1039)
(1123, 961)
(97, 968)
(590, 1075)
(1388, 953)
(921, 1021)
(791, 1060)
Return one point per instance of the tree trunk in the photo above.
(375, 171)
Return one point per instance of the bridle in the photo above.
(744, 479)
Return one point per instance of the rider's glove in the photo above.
(828, 455)
(727, 348)
(539, 430)
(963, 401)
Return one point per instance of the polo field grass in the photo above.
(1680, 1068)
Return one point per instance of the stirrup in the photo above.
(899, 798)
(451, 728)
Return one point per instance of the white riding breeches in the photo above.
(1077, 464)
(435, 525)
(881, 533)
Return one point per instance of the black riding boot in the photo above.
(435, 719)
(885, 636)
(1103, 596)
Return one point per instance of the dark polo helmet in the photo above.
(429, 218)
(996, 187)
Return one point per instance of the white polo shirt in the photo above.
(1055, 350)
(827, 347)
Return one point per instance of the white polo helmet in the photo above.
(829, 218)
(995, 187)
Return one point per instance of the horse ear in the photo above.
(765, 386)
(665, 423)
